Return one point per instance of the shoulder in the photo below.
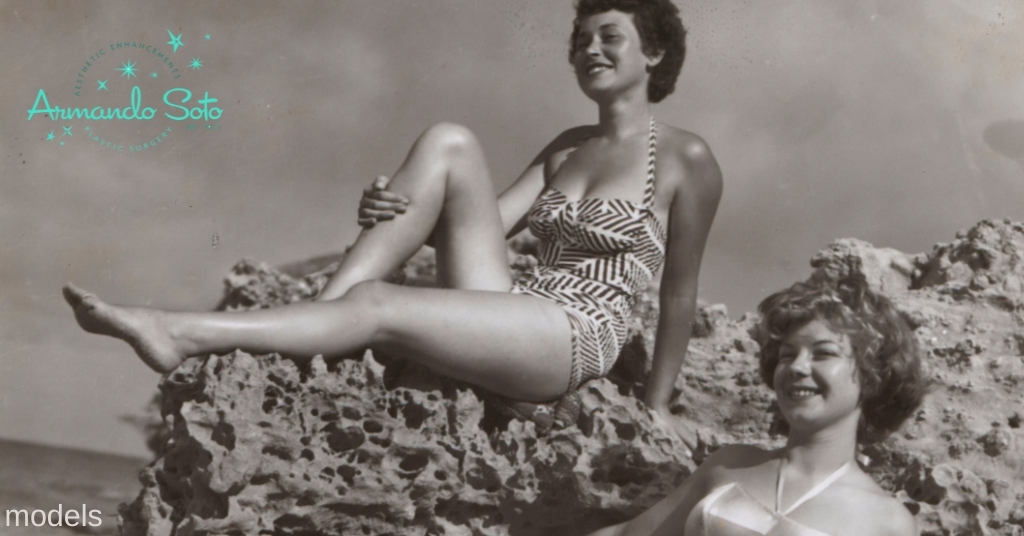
(688, 159)
(684, 145)
(721, 467)
(570, 138)
(886, 515)
(893, 518)
(899, 520)
(739, 453)
(558, 148)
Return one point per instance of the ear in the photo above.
(653, 61)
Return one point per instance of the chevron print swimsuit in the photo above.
(596, 257)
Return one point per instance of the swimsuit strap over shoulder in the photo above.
(652, 154)
(813, 492)
(652, 150)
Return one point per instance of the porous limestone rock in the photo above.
(886, 270)
(374, 445)
(260, 444)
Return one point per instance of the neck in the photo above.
(625, 116)
(820, 452)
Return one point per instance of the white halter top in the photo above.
(729, 510)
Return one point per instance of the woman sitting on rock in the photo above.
(611, 203)
(845, 369)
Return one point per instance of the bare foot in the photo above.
(141, 328)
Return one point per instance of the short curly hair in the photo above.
(661, 32)
(892, 382)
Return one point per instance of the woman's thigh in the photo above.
(514, 345)
(468, 236)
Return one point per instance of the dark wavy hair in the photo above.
(892, 383)
(661, 31)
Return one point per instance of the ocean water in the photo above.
(40, 477)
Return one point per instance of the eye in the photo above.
(825, 353)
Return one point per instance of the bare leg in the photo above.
(514, 345)
(518, 346)
(446, 178)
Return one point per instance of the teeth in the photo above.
(801, 393)
(596, 69)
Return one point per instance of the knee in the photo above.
(372, 299)
(450, 139)
(368, 296)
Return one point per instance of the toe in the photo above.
(78, 297)
(72, 295)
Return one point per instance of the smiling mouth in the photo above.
(597, 68)
(801, 393)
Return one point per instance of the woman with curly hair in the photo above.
(846, 371)
(612, 203)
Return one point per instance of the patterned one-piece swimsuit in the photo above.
(596, 257)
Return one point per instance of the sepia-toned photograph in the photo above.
(527, 267)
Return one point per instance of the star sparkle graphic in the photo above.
(50, 135)
(128, 68)
(196, 63)
(207, 37)
(67, 132)
(154, 74)
(175, 41)
(102, 84)
(62, 144)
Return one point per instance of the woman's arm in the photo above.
(693, 208)
(517, 199)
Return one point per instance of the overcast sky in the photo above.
(894, 121)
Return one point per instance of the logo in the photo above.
(130, 97)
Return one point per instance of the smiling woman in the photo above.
(846, 370)
(612, 204)
(661, 35)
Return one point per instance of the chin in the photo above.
(593, 90)
(600, 94)
(809, 422)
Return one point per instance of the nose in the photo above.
(593, 48)
(801, 364)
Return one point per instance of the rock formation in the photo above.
(373, 445)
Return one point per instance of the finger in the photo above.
(391, 197)
(367, 203)
(377, 215)
(370, 214)
(384, 195)
(389, 206)
(367, 223)
(381, 182)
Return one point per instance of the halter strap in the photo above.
(779, 483)
(652, 150)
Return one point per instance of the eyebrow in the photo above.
(602, 27)
(815, 343)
